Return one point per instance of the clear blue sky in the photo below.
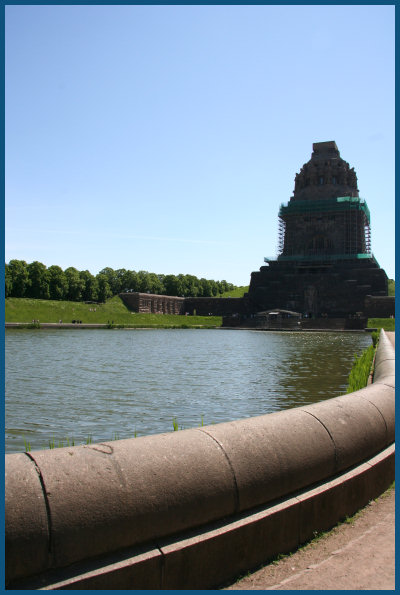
(165, 138)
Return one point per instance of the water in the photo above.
(108, 384)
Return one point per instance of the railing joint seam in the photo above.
(329, 434)
(47, 504)
(237, 498)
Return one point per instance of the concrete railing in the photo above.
(194, 508)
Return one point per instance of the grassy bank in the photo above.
(236, 293)
(112, 311)
(386, 323)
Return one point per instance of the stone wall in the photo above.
(166, 304)
(152, 303)
(306, 290)
(379, 307)
(215, 306)
(335, 289)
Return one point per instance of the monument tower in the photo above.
(325, 265)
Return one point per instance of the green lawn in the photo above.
(235, 293)
(113, 311)
(386, 323)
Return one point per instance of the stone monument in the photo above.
(325, 266)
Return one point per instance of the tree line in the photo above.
(35, 280)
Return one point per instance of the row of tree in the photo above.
(35, 280)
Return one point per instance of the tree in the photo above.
(39, 286)
(18, 272)
(143, 281)
(8, 281)
(35, 281)
(120, 275)
(129, 281)
(205, 287)
(90, 286)
(173, 285)
(190, 285)
(154, 284)
(214, 288)
(112, 279)
(75, 284)
(58, 283)
(222, 286)
(104, 291)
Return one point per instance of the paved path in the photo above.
(391, 336)
(353, 556)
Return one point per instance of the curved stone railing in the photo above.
(194, 508)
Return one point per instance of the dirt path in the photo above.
(359, 555)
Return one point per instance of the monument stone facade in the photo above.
(325, 266)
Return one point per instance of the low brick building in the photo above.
(151, 303)
(169, 304)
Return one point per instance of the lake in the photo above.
(110, 384)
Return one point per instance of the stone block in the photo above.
(27, 539)
(140, 570)
(109, 496)
(208, 558)
(357, 428)
(383, 398)
(275, 454)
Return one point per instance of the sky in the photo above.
(165, 138)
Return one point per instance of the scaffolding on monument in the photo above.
(356, 243)
(281, 235)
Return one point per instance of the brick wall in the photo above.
(151, 303)
(167, 304)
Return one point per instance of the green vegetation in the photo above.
(112, 313)
(63, 442)
(52, 443)
(375, 338)
(237, 292)
(361, 370)
(391, 287)
(66, 441)
(388, 324)
(35, 280)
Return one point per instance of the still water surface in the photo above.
(107, 384)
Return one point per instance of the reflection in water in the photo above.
(69, 383)
(318, 359)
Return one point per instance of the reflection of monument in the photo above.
(325, 265)
(310, 300)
